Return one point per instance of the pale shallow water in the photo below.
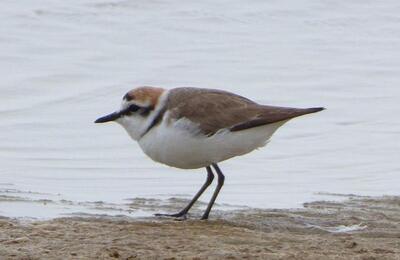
(64, 63)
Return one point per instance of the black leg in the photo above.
(221, 179)
(183, 212)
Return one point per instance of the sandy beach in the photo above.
(70, 189)
(358, 228)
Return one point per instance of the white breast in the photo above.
(177, 145)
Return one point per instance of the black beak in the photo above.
(108, 118)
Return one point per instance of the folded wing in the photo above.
(213, 110)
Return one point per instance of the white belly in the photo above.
(177, 147)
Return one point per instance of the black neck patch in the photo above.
(157, 119)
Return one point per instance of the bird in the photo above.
(192, 128)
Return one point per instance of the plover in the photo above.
(191, 128)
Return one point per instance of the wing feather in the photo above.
(214, 110)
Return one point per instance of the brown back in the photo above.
(215, 109)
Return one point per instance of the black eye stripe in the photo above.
(133, 108)
(144, 111)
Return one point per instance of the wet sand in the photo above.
(358, 228)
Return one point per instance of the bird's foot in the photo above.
(204, 217)
(177, 216)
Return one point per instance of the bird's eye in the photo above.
(133, 108)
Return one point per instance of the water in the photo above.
(64, 63)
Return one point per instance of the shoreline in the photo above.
(358, 228)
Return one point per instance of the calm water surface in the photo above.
(64, 63)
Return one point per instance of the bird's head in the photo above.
(137, 109)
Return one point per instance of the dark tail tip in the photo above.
(315, 109)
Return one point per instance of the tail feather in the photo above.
(275, 114)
